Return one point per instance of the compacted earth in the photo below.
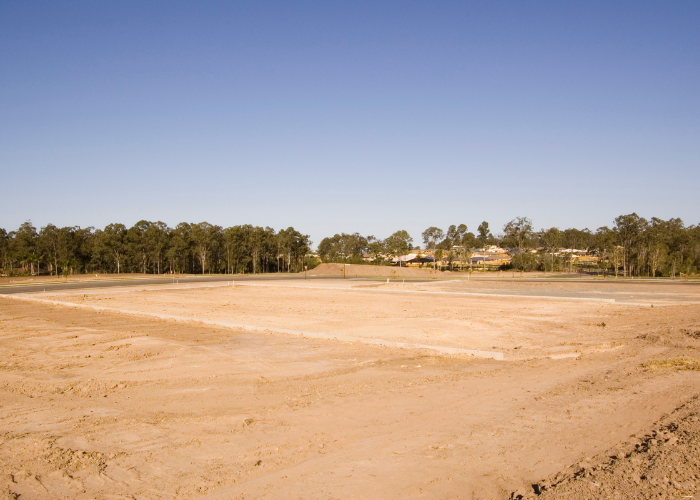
(352, 389)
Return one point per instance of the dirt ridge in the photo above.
(663, 463)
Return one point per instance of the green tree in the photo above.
(604, 244)
(376, 249)
(467, 243)
(4, 250)
(298, 245)
(518, 234)
(180, 252)
(551, 241)
(204, 238)
(577, 238)
(484, 236)
(49, 245)
(398, 244)
(431, 237)
(113, 240)
(24, 246)
(629, 228)
(456, 236)
(157, 237)
(137, 245)
(236, 246)
(69, 248)
(343, 248)
(451, 237)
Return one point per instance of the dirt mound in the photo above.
(352, 270)
(662, 464)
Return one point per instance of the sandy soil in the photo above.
(119, 403)
(349, 270)
(8, 280)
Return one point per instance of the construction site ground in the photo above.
(349, 388)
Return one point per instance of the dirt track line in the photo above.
(262, 329)
(473, 294)
(476, 294)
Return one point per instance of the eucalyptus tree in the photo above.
(283, 241)
(113, 239)
(328, 248)
(217, 259)
(293, 246)
(237, 247)
(353, 246)
(269, 246)
(694, 250)
(24, 246)
(458, 236)
(157, 238)
(204, 238)
(49, 246)
(431, 237)
(680, 243)
(256, 240)
(518, 234)
(84, 237)
(248, 239)
(629, 228)
(301, 245)
(376, 249)
(99, 253)
(4, 249)
(577, 238)
(137, 245)
(467, 242)
(484, 237)
(232, 244)
(604, 245)
(451, 237)
(551, 241)
(657, 245)
(180, 253)
(74, 248)
(343, 248)
(398, 244)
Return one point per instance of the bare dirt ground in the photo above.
(331, 269)
(592, 400)
(7, 280)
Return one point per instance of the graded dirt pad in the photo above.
(114, 403)
(348, 270)
(610, 290)
(7, 280)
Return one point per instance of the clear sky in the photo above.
(349, 116)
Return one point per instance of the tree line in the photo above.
(152, 247)
(632, 246)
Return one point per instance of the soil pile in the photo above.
(662, 464)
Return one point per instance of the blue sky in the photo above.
(349, 116)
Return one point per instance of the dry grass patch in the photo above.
(673, 364)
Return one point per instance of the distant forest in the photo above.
(633, 246)
(152, 247)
